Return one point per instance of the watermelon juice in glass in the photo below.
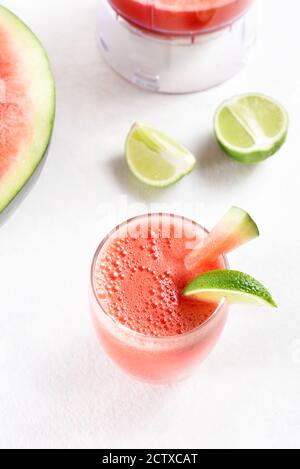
(181, 16)
(141, 318)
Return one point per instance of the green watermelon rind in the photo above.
(246, 228)
(43, 86)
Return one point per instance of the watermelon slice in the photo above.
(27, 105)
(235, 229)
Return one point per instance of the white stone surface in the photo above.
(57, 389)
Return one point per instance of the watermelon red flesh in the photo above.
(218, 243)
(27, 105)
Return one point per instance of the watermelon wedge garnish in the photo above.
(27, 105)
(235, 229)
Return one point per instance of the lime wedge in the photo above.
(251, 128)
(235, 286)
(156, 159)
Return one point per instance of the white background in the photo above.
(57, 389)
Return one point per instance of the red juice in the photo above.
(144, 323)
(181, 16)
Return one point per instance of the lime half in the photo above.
(251, 128)
(235, 286)
(156, 159)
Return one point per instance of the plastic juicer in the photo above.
(176, 46)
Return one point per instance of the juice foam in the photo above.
(140, 275)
